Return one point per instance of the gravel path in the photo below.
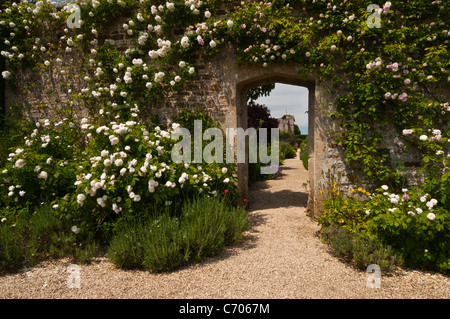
(281, 257)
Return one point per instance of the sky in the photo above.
(291, 99)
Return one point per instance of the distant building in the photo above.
(286, 124)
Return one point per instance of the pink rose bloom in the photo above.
(395, 66)
(407, 131)
(200, 40)
(403, 97)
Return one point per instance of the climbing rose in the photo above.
(6, 74)
(19, 163)
(407, 132)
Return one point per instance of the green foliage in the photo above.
(187, 117)
(288, 150)
(414, 224)
(12, 253)
(165, 242)
(362, 251)
(42, 168)
(258, 92)
(29, 237)
(304, 155)
(288, 138)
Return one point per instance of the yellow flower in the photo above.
(368, 194)
(352, 190)
(321, 191)
(341, 220)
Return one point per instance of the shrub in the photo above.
(126, 250)
(42, 168)
(288, 138)
(97, 181)
(28, 238)
(287, 150)
(413, 224)
(359, 249)
(107, 168)
(165, 242)
(12, 253)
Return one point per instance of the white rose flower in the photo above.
(80, 198)
(118, 162)
(19, 163)
(43, 175)
(6, 74)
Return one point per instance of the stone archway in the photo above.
(260, 77)
(221, 89)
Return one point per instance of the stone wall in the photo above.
(221, 89)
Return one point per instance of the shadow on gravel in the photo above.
(262, 198)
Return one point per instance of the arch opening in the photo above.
(242, 121)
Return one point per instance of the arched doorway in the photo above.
(242, 89)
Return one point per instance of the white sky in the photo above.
(291, 99)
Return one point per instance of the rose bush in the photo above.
(414, 222)
(106, 172)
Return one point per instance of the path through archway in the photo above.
(289, 105)
(242, 120)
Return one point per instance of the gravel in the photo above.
(281, 257)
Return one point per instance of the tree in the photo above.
(256, 93)
(259, 117)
